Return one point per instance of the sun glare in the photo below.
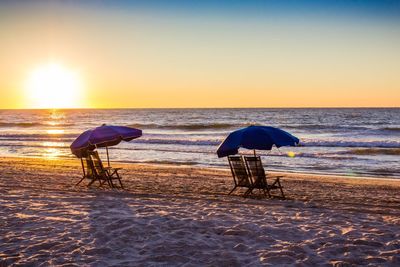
(53, 86)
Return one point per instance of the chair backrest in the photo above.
(97, 163)
(256, 171)
(87, 167)
(239, 173)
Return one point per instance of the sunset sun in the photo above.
(53, 86)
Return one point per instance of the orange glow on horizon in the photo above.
(108, 58)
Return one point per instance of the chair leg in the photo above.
(104, 180)
(248, 192)
(107, 179)
(80, 181)
(101, 183)
(280, 188)
(119, 180)
(269, 194)
(110, 179)
(110, 182)
(266, 192)
(232, 190)
(92, 181)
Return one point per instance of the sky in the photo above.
(167, 54)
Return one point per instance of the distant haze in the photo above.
(202, 54)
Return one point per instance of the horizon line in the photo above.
(119, 108)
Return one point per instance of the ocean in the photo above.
(346, 141)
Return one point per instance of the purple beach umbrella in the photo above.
(103, 136)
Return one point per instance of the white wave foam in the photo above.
(344, 143)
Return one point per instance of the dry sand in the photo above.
(183, 216)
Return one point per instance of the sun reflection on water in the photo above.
(52, 150)
(56, 117)
(51, 153)
(55, 131)
(53, 144)
(56, 114)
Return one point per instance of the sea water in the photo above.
(350, 141)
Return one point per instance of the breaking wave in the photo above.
(378, 144)
(375, 151)
(188, 127)
(32, 124)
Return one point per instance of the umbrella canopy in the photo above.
(103, 136)
(255, 137)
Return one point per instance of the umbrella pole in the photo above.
(108, 158)
(254, 152)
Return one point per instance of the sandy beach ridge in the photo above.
(179, 215)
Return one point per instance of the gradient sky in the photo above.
(207, 53)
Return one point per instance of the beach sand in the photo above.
(172, 215)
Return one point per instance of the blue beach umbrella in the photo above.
(103, 136)
(255, 137)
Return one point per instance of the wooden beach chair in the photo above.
(239, 174)
(258, 177)
(105, 174)
(87, 169)
(89, 172)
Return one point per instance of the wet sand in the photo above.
(172, 215)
